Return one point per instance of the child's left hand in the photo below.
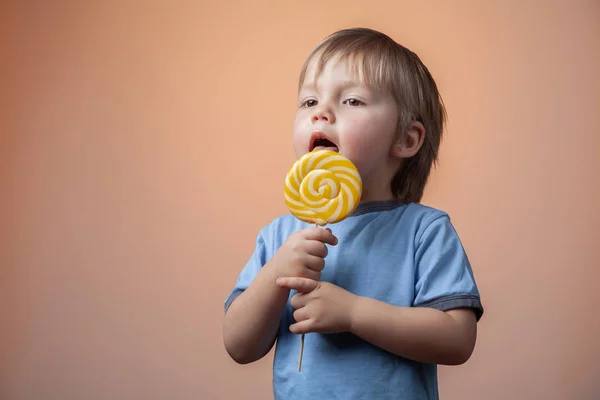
(320, 306)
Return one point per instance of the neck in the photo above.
(380, 193)
(378, 186)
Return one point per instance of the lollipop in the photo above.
(322, 187)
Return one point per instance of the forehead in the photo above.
(356, 67)
(336, 64)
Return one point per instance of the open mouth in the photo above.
(320, 141)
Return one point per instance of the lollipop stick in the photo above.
(301, 351)
(302, 341)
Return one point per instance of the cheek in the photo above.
(367, 142)
(360, 152)
(299, 138)
(363, 141)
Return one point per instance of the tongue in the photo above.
(330, 148)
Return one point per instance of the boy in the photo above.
(386, 294)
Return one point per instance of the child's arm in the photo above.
(252, 320)
(418, 333)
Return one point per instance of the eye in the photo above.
(353, 102)
(309, 103)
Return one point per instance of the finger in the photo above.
(302, 285)
(315, 263)
(316, 248)
(309, 273)
(304, 326)
(322, 235)
(300, 315)
(298, 300)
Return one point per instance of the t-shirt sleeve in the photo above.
(250, 270)
(444, 278)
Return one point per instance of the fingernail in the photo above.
(279, 282)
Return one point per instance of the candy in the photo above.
(322, 187)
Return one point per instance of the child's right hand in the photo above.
(303, 253)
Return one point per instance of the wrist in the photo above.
(272, 269)
(273, 272)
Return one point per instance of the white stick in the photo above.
(301, 351)
(302, 342)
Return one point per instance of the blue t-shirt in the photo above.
(403, 254)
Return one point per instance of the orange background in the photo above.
(144, 144)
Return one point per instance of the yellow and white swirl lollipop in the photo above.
(322, 187)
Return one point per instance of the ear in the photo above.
(408, 144)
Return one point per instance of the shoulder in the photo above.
(430, 221)
(421, 223)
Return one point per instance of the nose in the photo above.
(324, 114)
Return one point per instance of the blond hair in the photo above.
(380, 62)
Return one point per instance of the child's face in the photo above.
(340, 113)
